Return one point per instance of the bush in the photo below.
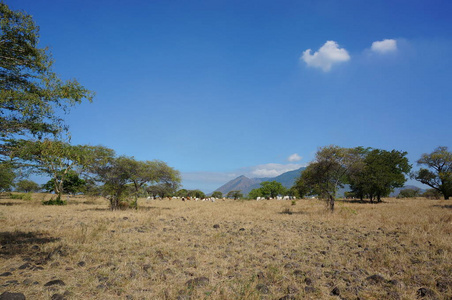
(54, 202)
(409, 193)
(26, 196)
(432, 194)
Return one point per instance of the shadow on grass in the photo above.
(22, 243)
(289, 212)
(140, 208)
(358, 201)
(11, 203)
(449, 206)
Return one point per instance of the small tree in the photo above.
(196, 194)
(72, 184)
(439, 173)
(234, 195)
(217, 194)
(125, 177)
(432, 194)
(271, 189)
(409, 193)
(254, 193)
(27, 186)
(329, 172)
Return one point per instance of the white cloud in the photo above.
(294, 157)
(271, 170)
(328, 55)
(384, 46)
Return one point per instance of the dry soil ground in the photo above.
(169, 249)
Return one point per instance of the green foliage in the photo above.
(54, 202)
(271, 189)
(409, 193)
(72, 184)
(7, 177)
(253, 194)
(268, 189)
(124, 178)
(328, 172)
(30, 91)
(26, 196)
(235, 195)
(380, 172)
(217, 194)
(57, 158)
(439, 173)
(27, 186)
(196, 194)
(432, 194)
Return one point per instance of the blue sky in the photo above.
(218, 89)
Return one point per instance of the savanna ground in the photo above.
(169, 249)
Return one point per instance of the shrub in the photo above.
(409, 193)
(432, 194)
(54, 202)
(26, 196)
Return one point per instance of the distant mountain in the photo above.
(245, 184)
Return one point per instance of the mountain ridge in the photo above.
(245, 184)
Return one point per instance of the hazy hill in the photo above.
(245, 184)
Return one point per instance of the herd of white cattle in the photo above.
(213, 199)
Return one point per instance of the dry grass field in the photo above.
(169, 249)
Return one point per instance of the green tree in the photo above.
(380, 172)
(439, 173)
(7, 177)
(217, 194)
(125, 177)
(30, 91)
(328, 172)
(57, 158)
(196, 194)
(72, 184)
(254, 193)
(271, 189)
(183, 193)
(409, 193)
(432, 194)
(234, 195)
(27, 186)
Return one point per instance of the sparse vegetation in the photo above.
(227, 250)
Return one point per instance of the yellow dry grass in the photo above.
(170, 249)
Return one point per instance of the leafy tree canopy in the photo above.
(7, 177)
(328, 172)
(234, 195)
(379, 173)
(217, 194)
(29, 89)
(438, 174)
(27, 186)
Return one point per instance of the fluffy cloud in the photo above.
(328, 55)
(294, 157)
(384, 46)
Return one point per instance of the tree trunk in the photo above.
(331, 202)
